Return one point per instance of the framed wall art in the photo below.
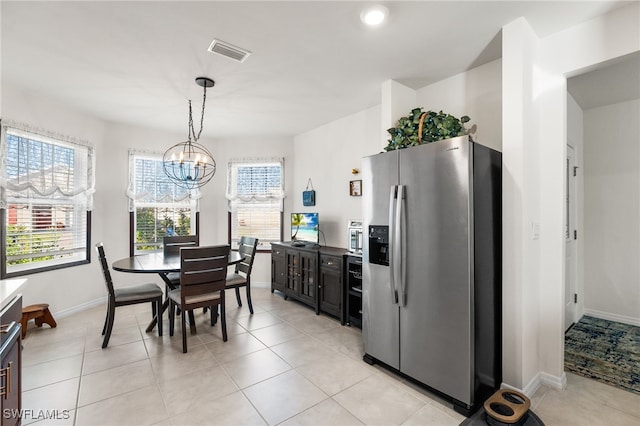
(309, 195)
(355, 188)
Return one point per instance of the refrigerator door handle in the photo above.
(396, 247)
(401, 244)
(393, 193)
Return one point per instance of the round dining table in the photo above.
(158, 263)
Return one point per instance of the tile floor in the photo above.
(283, 365)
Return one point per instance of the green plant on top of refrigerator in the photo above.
(435, 126)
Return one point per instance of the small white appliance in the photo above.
(355, 236)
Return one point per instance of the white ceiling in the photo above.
(610, 83)
(312, 62)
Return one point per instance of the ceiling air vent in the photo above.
(229, 50)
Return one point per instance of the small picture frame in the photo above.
(355, 188)
(309, 198)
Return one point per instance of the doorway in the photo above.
(601, 265)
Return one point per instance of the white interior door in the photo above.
(570, 295)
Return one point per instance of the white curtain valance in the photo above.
(149, 184)
(45, 165)
(259, 180)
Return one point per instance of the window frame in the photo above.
(234, 199)
(133, 204)
(53, 139)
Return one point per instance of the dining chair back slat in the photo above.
(173, 244)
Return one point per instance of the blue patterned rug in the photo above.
(604, 350)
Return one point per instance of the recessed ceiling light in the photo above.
(374, 15)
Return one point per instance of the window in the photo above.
(255, 190)
(46, 200)
(157, 206)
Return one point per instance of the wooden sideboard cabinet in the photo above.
(10, 362)
(312, 275)
(278, 269)
(330, 288)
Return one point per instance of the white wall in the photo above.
(397, 100)
(520, 200)
(476, 93)
(611, 212)
(327, 156)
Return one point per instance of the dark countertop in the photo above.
(328, 250)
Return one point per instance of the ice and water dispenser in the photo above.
(379, 245)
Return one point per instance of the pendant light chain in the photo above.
(190, 125)
(188, 164)
(192, 131)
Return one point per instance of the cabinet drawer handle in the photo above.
(6, 373)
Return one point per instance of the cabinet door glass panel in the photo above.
(307, 275)
(293, 274)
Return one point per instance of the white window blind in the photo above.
(159, 206)
(47, 192)
(255, 190)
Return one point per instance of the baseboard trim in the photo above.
(554, 382)
(79, 308)
(529, 389)
(538, 380)
(613, 317)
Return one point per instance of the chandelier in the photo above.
(189, 164)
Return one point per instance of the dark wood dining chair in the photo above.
(142, 293)
(171, 246)
(241, 277)
(203, 272)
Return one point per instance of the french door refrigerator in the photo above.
(432, 267)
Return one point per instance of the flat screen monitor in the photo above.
(304, 227)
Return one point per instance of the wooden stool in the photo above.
(40, 313)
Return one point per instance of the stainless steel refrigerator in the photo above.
(432, 267)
